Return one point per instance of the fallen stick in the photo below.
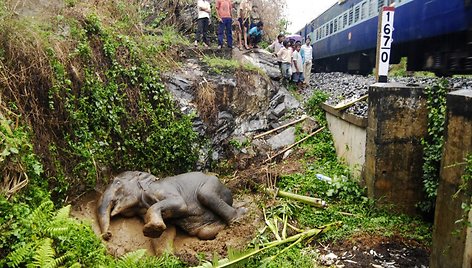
(295, 144)
(316, 202)
(281, 127)
(262, 247)
(342, 106)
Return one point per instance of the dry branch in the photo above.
(295, 144)
(281, 127)
(349, 103)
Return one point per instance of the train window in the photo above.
(345, 20)
(327, 29)
(364, 10)
(381, 3)
(351, 13)
(331, 28)
(335, 25)
(356, 14)
(371, 8)
(340, 22)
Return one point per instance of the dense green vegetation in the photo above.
(433, 143)
(347, 203)
(89, 100)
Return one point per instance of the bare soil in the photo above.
(128, 235)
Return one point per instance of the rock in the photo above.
(309, 125)
(290, 101)
(287, 154)
(265, 61)
(251, 126)
(277, 99)
(279, 111)
(283, 139)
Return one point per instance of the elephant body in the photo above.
(198, 203)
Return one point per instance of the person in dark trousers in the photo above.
(223, 11)
(203, 21)
(255, 34)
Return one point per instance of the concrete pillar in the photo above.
(452, 241)
(397, 121)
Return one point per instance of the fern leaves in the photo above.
(130, 259)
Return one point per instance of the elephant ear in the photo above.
(145, 180)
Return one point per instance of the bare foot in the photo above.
(106, 236)
(239, 214)
(154, 230)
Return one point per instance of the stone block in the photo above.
(397, 121)
(452, 240)
(285, 138)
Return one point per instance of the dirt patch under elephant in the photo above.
(128, 232)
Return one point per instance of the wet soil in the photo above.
(127, 233)
(366, 250)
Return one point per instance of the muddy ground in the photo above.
(362, 250)
(128, 236)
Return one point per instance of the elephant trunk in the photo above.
(103, 213)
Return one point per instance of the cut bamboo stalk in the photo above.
(295, 144)
(342, 106)
(281, 127)
(316, 202)
(304, 235)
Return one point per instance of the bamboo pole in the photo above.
(281, 127)
(295, 144)
(316, 202)
(342, 106)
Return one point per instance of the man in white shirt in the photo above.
(297, 65)
(276, 46)
(307, 54)
(285, 56)
(203, 21)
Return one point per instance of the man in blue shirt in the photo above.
(255, 34)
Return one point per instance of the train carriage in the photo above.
(435, 35)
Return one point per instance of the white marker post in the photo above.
(384, 43)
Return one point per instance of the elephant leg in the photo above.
(170, 207)
(165, 243)
(210, 232)
(211, 196)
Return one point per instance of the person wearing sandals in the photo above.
(244, 19)
(223, 11)
(236, 25)
(203, 21)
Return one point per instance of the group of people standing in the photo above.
(238, 16)
(295, 60)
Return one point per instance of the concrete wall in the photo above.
(452, 241)
(349, 140)
(397, 121)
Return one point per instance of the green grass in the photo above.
(220, 65)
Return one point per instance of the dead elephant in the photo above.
(198, 203)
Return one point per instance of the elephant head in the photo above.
(123, 196)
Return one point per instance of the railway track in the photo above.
(342, 86)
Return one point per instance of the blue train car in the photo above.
(435, 35)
